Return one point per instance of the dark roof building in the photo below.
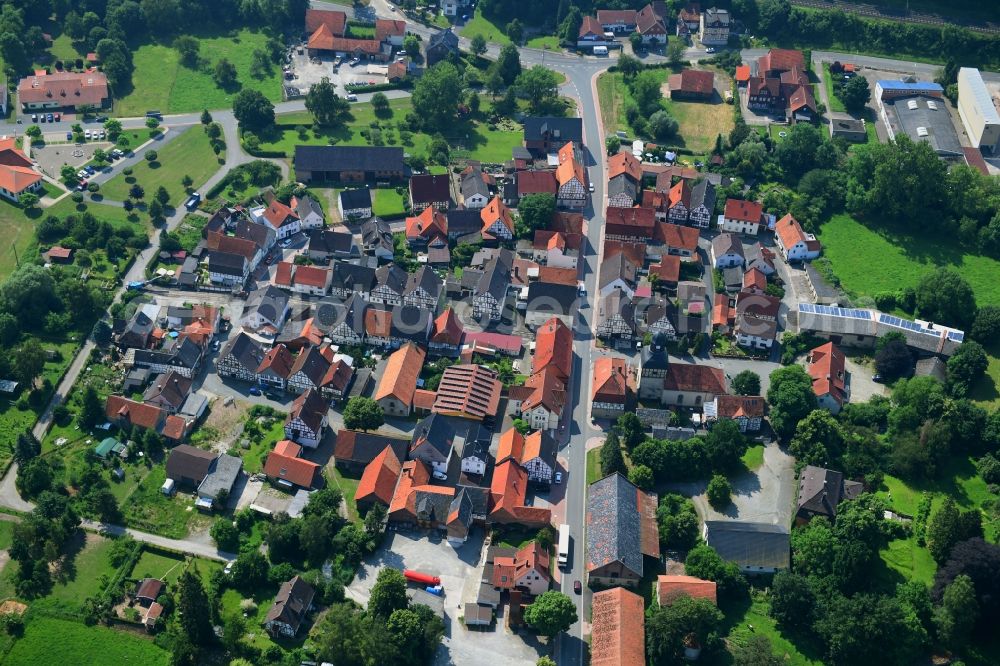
(293, 601)
(755, 547)
(821, 490)
(348, 163)
(188, 464)
(621, 530)
(354, 450)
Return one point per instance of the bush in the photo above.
(719, 492)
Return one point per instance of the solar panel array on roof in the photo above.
(849, 313)
(956, 336)
(907, 324)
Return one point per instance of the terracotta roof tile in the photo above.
(669, 588)
(399, 379)
(618, 636)
(293, 469)
(378, 481)
(553, 348)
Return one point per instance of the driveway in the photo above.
(766, 495)
(460, 572)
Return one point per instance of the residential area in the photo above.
(628, 333)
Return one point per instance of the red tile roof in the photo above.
(378, 323)
(174, 427)
(668, 270)
(618, 636)
(283, 274)
(743, 73)
(447, 328)
(536, 182)
(674, 235)
(569, 167)
(827, 367)
(780, 60)
(471, 391)
(790, 232)
(119, 408)
(312, 276)
(637, 222)
(324, 40)
(287, 467)
(755, 278)
(613, 380)
(548, 389)
(399, 379)
(634, 252)
(389, 28)
(669, 588)
(278, 214)
(608, 16)
(430, 224)
(423, 400)
(497, 210)
(693, 82)
(378, 482)
(695, 378)
(16, 173)
(335, 20)
(511, 446)
(746, 211)
(278, 360)
(556, 275)
(590, 26)
(734, 406)
(625, 163)
(722, 313)
(553, 348)
(65, 88)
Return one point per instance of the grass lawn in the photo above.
(157, 564)
(480, 25)
(469, 138)
(835, 103)
(593, 465)
(190, 154)
(909, 560)
(516, 536)
(754, 457)
(853, 250)
(189, 231)
(161, 82)
(18, 232)
(79, 579)
(986, 391)
(6, 534)
(349, 486)
(150, 510)
(51, 641)
(550, 42)
(253, 458)
(741, 614)
(388, 203)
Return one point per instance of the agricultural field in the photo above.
(51, 641)
(189, 154)
(471, 139)
(161, 82)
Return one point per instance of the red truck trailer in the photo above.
(421, 578)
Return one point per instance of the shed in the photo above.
(109, 446)
(478, 616)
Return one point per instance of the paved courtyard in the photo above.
(460, 572)
(51, 158)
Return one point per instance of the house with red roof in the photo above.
(446, 334)
(17, 173)
(779, 86)
(692, 84)
(527, 569)
(746, 410)
(416, 502)
(541, 400)
(556, 249)
(618, 636)
(285, 467)
(553, 348)
(430, 225)
(591, 33)
(390, 31)
(651, 25)
(678, 241)
(692, 385)
(669, 588)
(742, 217)
(498, 222)
(571, 179)
(629, 224)
(335, 21)
(508, 491)
(667, 272)
(794, 243)
(63, 90)
(827, 366)
(614, 388)
(282, 219)
(531, 182)
(378, 481)
(312, 280)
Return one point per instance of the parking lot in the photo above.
(460, 573)
(51, 158)
(310, 71)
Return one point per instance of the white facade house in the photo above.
(978, 111)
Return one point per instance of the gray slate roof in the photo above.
(269, 302)
(221, 476)
(614, 533)
(245, 350)
(356, 198)
(750, 544)
(821, 490)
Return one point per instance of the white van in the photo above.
(600, 50)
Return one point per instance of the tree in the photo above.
(793, 602)
(538, 84)
(136, 191)
(630, 429)
(28, 200)
(253, 110)
(30, 293)
(91, 408)
(436, 96)
(685, 621)
(646, 92)
(478, 46)
(629, 66)
(545, 661)
(535, 212)
(719, 492)
(613, 144)
(553, 612)
(791, 397)
(508, 64)
(155, 210)
(162, 195)
(363, 413)
(818, 440)
(746, 382)
(28, 361)
(635, 39)
(754, 651)
(851, 626)
(225, 73)
(662, 125)
(893, 360)
(189, 49)
(194, 611)
(380, 103)
(206, 117)
(641, 477)
(703, 562)
(250, 570)
(677, 521)
(388, 593)
(946, 298)
(327, 108)
(226, 536)
(979, 561)
(855, 94)
(725, 445)
(675, 51)
(948, 526)
(796, 153)
(569, 28)
(26, 447)
(958, 612)
(515, 31)
(611, 456)
(966, 366)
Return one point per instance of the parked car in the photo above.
(34, 117)
(710, 49)
(591, 187)
(49, 117)
(577, 587)
(81, 186)
(41, 118)
(57, 117)
(255, 391)
(69, 136)
(558, 479)
(86, 134)
(351, 97)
